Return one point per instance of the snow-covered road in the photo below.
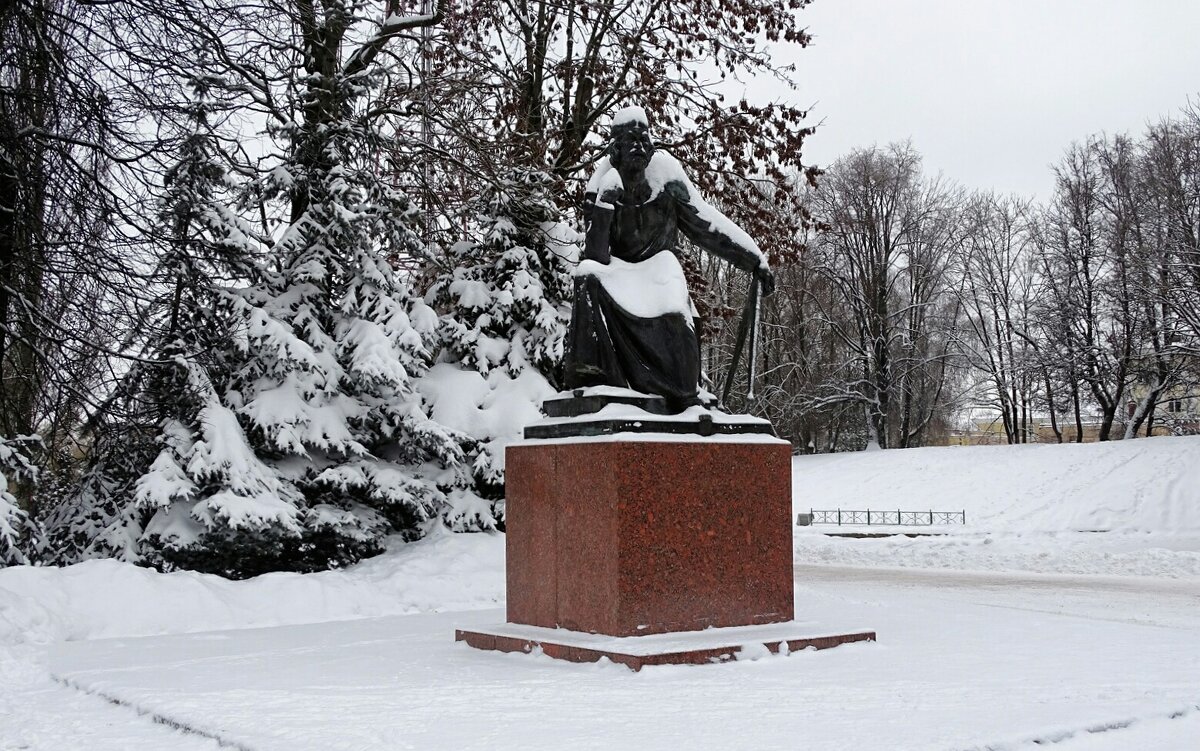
(965, 661)
(1137, 600)
(39, 714)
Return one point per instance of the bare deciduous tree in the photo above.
(885, 255)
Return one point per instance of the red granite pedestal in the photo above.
(629, 538)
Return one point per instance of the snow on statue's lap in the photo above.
(649, 289)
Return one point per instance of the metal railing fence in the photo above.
(887, 518)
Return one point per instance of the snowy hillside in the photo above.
(1145, 485)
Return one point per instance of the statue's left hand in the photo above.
(766, 279)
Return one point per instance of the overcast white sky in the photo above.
(992, 91)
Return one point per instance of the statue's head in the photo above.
(630, 147)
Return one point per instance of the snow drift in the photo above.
(108, 598)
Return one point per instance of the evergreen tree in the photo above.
(20, 538)
(154, 439)
(280, 392)
(506, 294)
(326, 388)
(505, 298)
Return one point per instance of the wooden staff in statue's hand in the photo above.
(748, 330)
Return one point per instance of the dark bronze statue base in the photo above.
(582, 403)
(704, 426)
(584, 413)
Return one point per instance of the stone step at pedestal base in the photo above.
(678, 648)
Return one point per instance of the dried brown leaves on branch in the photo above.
(542, 77)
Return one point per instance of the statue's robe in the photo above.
(648, 345)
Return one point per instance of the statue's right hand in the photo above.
(612, 196)
(766, 279)
(612, 190)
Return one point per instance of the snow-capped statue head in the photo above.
(631, 115)
(630, 148)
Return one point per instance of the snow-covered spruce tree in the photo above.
(292, 437)
(20, 538)
(505, 301)
(506, 293)
(330, 347)
(96, 517)
(145, 453)
(325, 390)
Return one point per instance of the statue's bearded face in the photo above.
(631, 147)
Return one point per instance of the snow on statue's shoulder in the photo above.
(665, 169)
(610, 179)
(632, 114)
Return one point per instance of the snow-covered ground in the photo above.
(44, 607)
(1026, 627)
(975, 662)
(1120, 508)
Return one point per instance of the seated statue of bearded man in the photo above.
(633, 323)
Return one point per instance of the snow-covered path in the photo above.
(965, 660)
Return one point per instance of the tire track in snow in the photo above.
(153, 716)
(1060, 737)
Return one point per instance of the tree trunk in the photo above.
(1078, 414)
(1050, 406)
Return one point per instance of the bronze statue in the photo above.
(632, 321)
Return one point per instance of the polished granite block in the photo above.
(641, 537)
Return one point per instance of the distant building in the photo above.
(1179, 415)
(1044, 429)
(979, 431)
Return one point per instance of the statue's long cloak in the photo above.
(611, 345)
